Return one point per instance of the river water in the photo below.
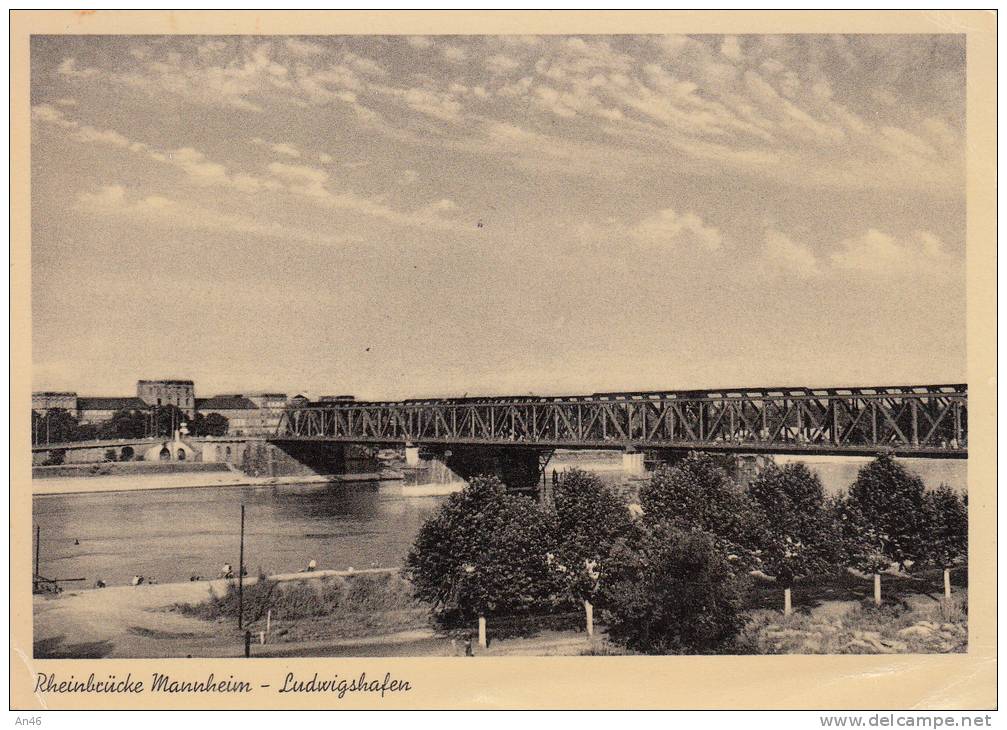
(173, 534)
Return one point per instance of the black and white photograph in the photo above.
(496, 345)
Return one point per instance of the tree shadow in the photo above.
(54, 648)
(813, 591)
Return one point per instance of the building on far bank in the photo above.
(244, 417)
(272, 406)
(180, 393)
(99, 409)
(44, 401)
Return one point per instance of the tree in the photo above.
(211, 424)
(167, 419)
(697, 493)
(484, 553)
(891, 500)
(590, 519)
(672, 591)
(57, 457)
(860, 540)
(56, 425)
(37, 427)
(800, 535)
(947, 527)
(125, 424)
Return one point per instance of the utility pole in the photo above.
(241, 569)
(38, 542)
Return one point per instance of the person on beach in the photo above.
(226, 571)
(137, 580)
(312, 565)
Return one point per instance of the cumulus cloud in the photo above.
(304, 48)
(454, 54)
(281, 148)
(501, 64)
(782, 254)
(419, 41)
(70, 68)
(114, 200)
(878, 254)
(669, 228)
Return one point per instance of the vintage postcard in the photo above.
(503, 360)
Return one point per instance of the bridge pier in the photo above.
(521, 469)
(632, 463)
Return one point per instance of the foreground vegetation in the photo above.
(681, 578)
(702, 569)
(321, 608)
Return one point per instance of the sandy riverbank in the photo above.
(133, 621)
(132, 483)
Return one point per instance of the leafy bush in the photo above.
(125, 424)
(890, 500)
(671, 591)
(485, 553)
(946, 540)
(56, 457)
(860, 540)
(800, 535)
(334, 597)
(590, 518)
(698, 493)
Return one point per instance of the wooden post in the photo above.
(482, 632)
(269, 619)
(241, 571)
(786, 602)
(589, 618)
(262, 637)
(947, 583)
(248, 644)
(877, 589)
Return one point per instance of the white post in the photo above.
(589, 614)
(262, 637)
(877, 589)
(482, 631)
(947, 583)
(412, 456)
(269, 618)
(786, 602)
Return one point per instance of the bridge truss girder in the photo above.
(920, 421)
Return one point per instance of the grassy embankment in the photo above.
(832, 615)
(320, 608)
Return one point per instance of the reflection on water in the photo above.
(176, 533)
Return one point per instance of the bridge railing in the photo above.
(934, 420)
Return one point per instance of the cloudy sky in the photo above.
(395, 216)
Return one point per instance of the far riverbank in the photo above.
(193, 480)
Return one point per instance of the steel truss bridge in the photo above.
(917, 420)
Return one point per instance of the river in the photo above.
(173, 534)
